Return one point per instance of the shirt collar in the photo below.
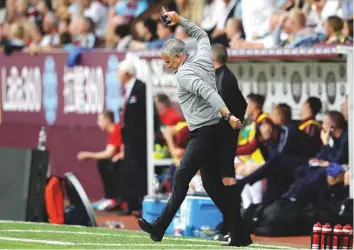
(308, 119)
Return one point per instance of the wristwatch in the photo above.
(227, 116)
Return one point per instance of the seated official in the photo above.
(285, 155)
(335, 142)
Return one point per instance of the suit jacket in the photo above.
(229, 91)
(134, 132)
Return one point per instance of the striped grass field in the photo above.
(24, 235)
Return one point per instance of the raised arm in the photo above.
(204, 49)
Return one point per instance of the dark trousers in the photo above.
(108, 171)
(279, 170)
(202, 153)
(228, 149)
(133, 177)
(309, 187)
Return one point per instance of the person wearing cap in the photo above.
(133, 124)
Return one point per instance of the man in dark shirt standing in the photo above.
(229, 91)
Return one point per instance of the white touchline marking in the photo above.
(210, 243)
(50, 242)
(102, 234)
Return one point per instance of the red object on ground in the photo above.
(316, 236)
(337, 237)
(326, 236)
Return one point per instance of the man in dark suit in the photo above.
(133, 124)
(229, 91)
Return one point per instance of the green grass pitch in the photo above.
(16, 235)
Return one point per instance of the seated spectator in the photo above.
(254, 144)
(214, 15)
(123, 37)
(42, 9)
(191, 42)
(66, 42)
(74, 30)
(163, 33)
(256, 17)
(87, 36)
(314, 15)
(333, 28)
(281, 114)
(229, 8)
(168, 115)
(51, 37)
(311, 182)
(21, 11)
(233, 31)
(297, 22)
(277, 31)
(334, 138)
(348, 29)
(183, 8)
(16, 40)
(284, 157)
(74, 8)
(308, 112)
(146, 30)
(251, 150)
(33, 35)
(347, 8)
(64, 26)
(130, 9)
(97, 11)
(108, 169)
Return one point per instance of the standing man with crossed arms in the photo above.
(203, 109)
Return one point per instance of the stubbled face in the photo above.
(172, 61)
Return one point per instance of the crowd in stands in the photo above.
(37, 25)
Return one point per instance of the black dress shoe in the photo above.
(147, 227)
(244, 242)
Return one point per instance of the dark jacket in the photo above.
(229, 91)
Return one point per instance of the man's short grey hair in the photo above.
(174, 46)
(220, 53)
(127, 66)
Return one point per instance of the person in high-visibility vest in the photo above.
(251, 152)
